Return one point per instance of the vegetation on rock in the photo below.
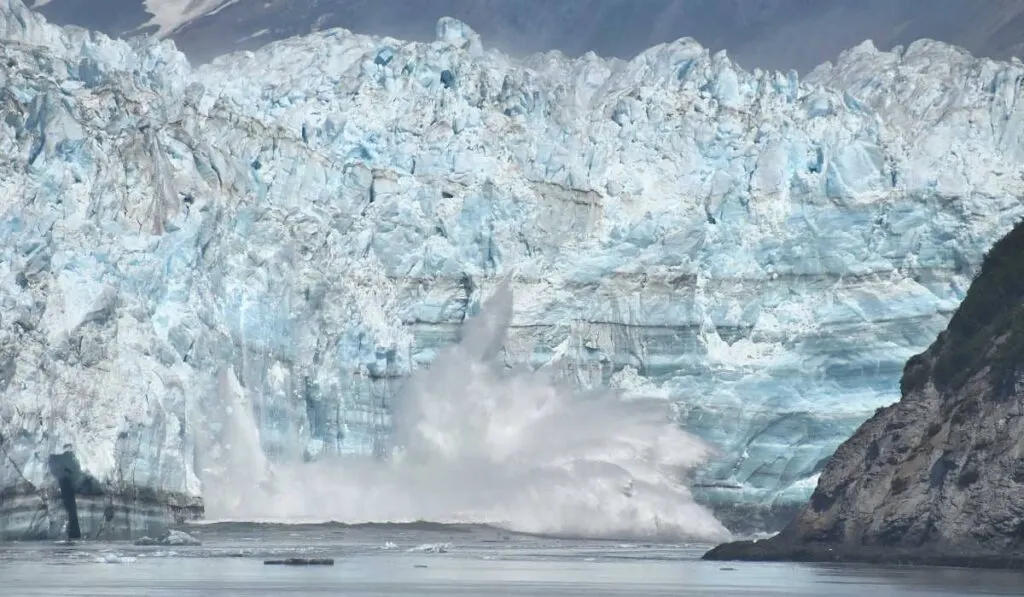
(992, 310)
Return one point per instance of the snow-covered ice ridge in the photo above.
(299, 227)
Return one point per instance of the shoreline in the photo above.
(775, 550)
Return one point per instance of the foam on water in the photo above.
(475, 441)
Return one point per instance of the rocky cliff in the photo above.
(939, 476)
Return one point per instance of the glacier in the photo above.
(293, 231)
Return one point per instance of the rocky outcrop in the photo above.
(937, 478)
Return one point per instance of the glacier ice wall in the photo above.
(294, 230)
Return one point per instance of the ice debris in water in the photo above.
(431, 548)
(171, 537)
(114, 558)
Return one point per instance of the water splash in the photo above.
(477, 442)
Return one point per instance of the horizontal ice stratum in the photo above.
(215, 282)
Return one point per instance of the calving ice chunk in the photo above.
(247, 259)
(476, 442)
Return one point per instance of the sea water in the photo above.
(445, 560)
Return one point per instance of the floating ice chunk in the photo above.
(115, 558)
(431, 548)
(171, 538)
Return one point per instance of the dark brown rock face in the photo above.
(937, 478)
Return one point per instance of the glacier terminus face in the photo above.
(244, 262)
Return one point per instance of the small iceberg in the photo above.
(176, 538)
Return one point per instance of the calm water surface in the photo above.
(435, 560)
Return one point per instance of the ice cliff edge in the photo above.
(291, 231)
(936, 478)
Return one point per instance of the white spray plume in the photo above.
(477, 442)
